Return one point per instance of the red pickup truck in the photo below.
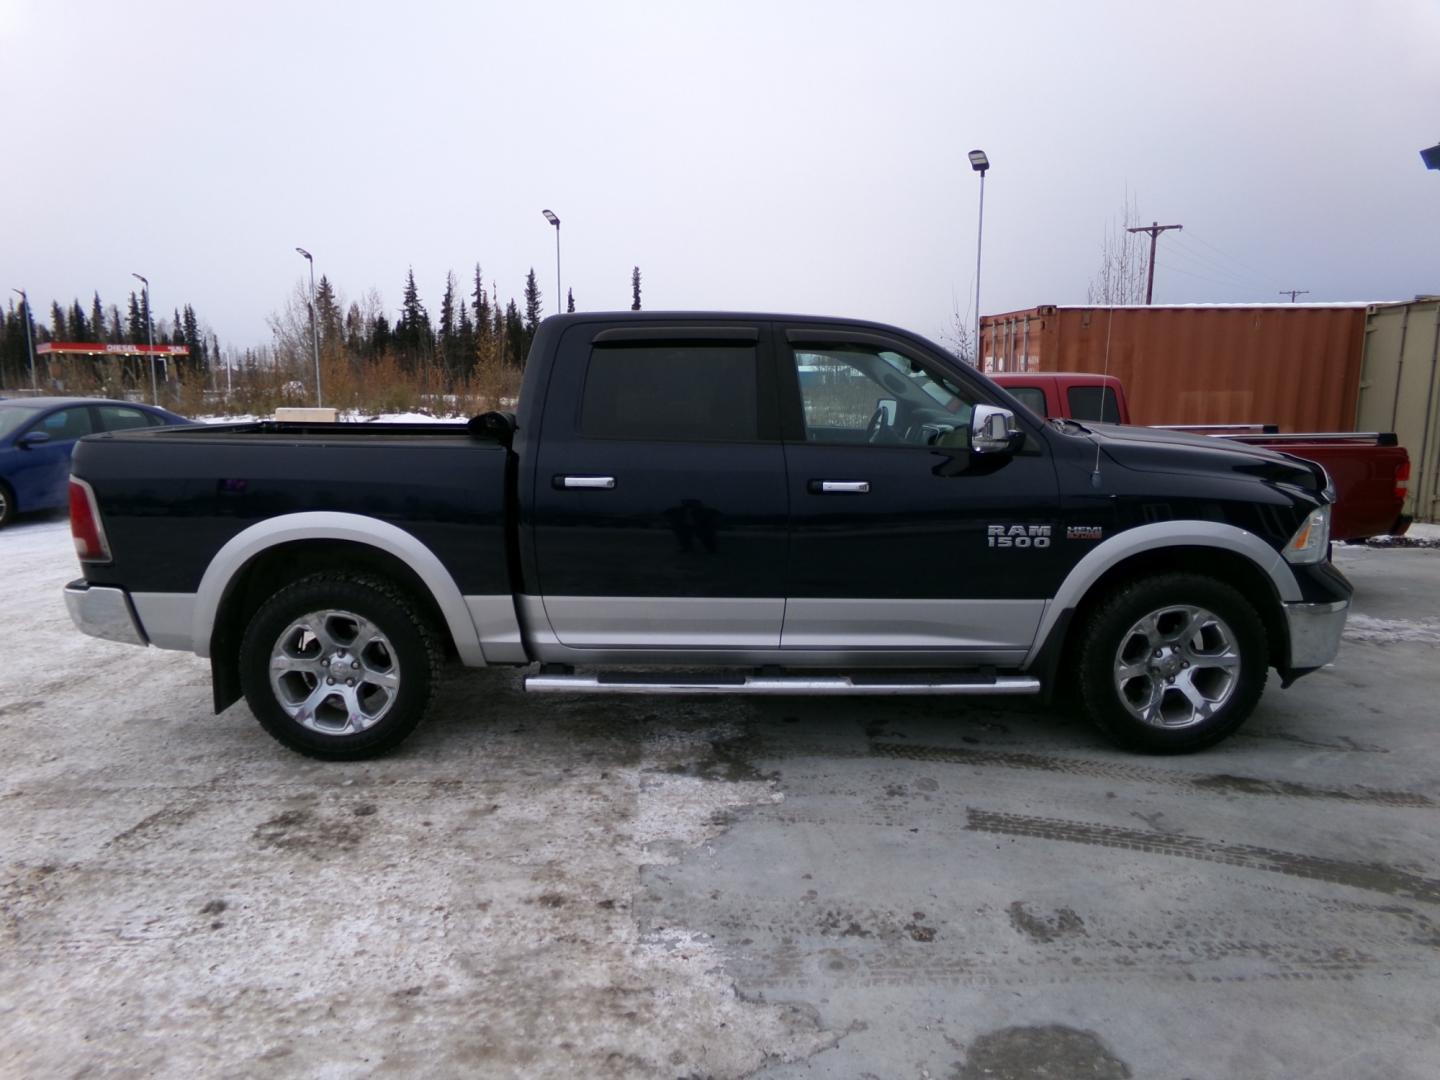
(1370, 470)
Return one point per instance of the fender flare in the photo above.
(1157, 536)
(334, 525)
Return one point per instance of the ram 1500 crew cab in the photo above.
(753, 504)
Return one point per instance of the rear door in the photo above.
(659, 501)
(901, 537)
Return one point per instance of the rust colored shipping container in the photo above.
(1296, 365)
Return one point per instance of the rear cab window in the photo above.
(1086, 404)
(677, 391)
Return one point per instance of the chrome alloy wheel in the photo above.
(334, 672)
(1177, 666)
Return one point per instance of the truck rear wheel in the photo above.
(1172, 663)
(339, 666)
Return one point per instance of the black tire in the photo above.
(402, 647)
(1126, 673)
(7, 504)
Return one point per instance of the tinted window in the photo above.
(66, 424)
(118, 418)
(1032, 397)
(675, 392)
(1085, 404)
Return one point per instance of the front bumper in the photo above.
(1315, 631)
(104, 612)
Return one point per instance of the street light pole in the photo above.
(550, 217)
(981, 164)
(29, 344)
(314, 333)
(149, 336)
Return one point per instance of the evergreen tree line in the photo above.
(471, 329)
(104, 325)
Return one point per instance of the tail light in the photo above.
(1402, 481)
(85, 524)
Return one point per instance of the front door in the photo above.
(660, 508)
(41, 476)
(902, 538)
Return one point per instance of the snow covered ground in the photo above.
(181, 897)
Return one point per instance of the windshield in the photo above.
(14, 417)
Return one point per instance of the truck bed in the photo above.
(171, 503)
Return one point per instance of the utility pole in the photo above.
(1154, 229)
(1292, 293)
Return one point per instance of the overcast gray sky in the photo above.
(779, 155)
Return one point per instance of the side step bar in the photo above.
(849, 685)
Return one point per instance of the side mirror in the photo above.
(33, 438)
(993, 430)
(499, 426)
(887, 406)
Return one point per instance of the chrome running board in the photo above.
(886, 684)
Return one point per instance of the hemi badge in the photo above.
(1084, 532)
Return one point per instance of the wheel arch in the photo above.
(1224, 552)
(269, 555)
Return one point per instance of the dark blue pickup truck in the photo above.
(745, 504)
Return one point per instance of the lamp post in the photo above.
(29, 344)
(550, 217)
(314, 333)
(980, 163)
(149, 336)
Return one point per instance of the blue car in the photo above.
(37, 436)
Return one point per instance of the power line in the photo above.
(1224, 254)
(1209, 262)
(1214, 281)
(1292, 293)
(1154, 229)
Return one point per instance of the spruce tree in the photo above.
(446, 343)
(515, 342)
(532, 304)
(569, 301)
(327, 315)
(57, 321)
(79, 326)
(635, 289)
(97, 319)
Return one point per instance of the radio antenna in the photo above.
(1104, 388)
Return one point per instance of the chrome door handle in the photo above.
(844, 487)
(603, 483)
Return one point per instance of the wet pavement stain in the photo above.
(1048, 1052)
(1045, 929)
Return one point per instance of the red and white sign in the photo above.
(97, 348)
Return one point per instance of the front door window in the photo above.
(858, 394)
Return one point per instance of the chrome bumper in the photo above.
(1315, 631)
(103, 612)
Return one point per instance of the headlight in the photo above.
(1312, 541)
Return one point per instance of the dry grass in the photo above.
(367, 388)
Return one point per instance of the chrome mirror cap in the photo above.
(992, 430)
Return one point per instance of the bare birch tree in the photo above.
(1124, 259)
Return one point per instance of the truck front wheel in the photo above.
(339, 666)
(1172, 663)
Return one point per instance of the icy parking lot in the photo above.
(671, 888)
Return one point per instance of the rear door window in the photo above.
(691, 392)
(119, 418)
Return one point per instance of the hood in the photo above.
(1156, 450)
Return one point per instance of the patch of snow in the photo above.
(1373, 631)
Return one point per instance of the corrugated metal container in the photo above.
(1296, 365)
(1400, 392)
